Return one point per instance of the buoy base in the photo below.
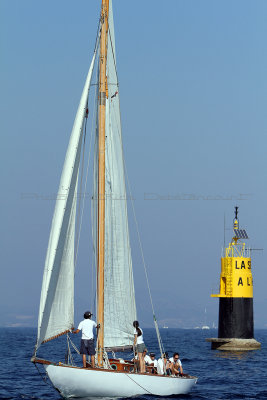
(233, 344)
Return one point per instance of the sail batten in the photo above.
(56, 311)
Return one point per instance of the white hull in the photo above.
(77, 382)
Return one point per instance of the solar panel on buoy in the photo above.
(241, 234)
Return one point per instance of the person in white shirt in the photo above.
(176, 365)
(163, 365)
(151, 362)
(140, 345)
(87, 341)
(147, 359)
(150, 358)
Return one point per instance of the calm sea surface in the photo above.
(222, 375)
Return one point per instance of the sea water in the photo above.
(221, 375)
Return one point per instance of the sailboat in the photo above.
(205, 326)
(116, 308)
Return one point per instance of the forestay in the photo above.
(56, 312)
(119, 298)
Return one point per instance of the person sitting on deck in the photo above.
(147, 359)
(151, 362)
(176, 365)
(150, 358)
(163, 365)
(87, 341)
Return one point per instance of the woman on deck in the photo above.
(140, 345)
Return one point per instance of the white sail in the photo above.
(119, 297)
(56, 312)
(56, 306)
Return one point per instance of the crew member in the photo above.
(87, 341)
(176, 365)
(139, 343)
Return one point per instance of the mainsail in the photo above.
(119, 298)
(56, 312)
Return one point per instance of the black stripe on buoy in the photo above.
(236, 318)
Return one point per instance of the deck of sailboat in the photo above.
(73, 381)
(121, 368)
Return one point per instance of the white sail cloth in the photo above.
(119, 297)
(56, 312)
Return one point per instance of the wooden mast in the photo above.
(101, 175)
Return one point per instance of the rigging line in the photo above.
(85, 185)
(118, 123)
(117, 131)
(161, 347)
(117, 305)
(79, 216)
(80, 192)
(71, 356)
(73, 345)
(44, 379)
(113, 54)
(98, 33)
(68, 358)
(113, 251)
(144, 264)
(94, 220)
(142, 387)
(93, 296)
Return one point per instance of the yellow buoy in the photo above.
(236, 292)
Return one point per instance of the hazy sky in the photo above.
(193, 94)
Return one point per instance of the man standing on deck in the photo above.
(87, 341)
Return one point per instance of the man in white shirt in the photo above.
(147, 359)
(87, 341)
(151, 362)
(176, 365)
(150, 359)
(163, 365)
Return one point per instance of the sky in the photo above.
(193, 94)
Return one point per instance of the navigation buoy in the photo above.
(236, 324)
